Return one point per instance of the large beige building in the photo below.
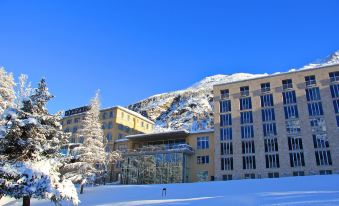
(117, 122)
(276, 126)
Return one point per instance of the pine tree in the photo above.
(87, 164)
(7, 94)
(23, 90)
(29, 149)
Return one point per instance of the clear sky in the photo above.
(134, 49)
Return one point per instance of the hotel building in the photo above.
(279, 125)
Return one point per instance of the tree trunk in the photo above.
(82, 189)
(26, 201)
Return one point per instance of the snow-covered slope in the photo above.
(191, 108)
(289, 191)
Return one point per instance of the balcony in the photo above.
(287, 86)
(158, 149)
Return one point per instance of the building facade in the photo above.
(117, 123)
(167, 157)
(279, 125)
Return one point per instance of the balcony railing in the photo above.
(184, 148)
(287, 86)
(311, 83)
(334, 78)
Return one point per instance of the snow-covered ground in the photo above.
(310, 190)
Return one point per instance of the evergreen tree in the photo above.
(30, 141)
(7, 94)
(23, 90)
(88, 162)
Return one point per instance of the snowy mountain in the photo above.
(191, 108)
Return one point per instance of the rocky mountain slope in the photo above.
(192, 108)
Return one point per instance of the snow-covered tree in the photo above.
(89, 157)
(7, 94)
(30, 140)
(111, 158)
(23, 90)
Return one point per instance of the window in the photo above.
(202, 143)
(107, 149)
(110, 125)
(76, 120)
(246, 117)
(247, 132)
(273, 175)
(269, 129)
(104, 115)
(111, 114)
(244, 91)
(287, 84)
(75, 129)
(103, 126)
(202, 176)
(203, 159)
(109, 137)
(69, 121)
(323, 158)
(225, 94)
(295, 143)
(248, 147)
(272, 161)
(325, 172)
(291, 112)
(310, 80)
(313, 94)
(297, 159)
(337, 118)
(271, 145)
(334, 90)
(318, 124)
(268, 115)
(81, 139)
(315, 109)
(265, 87)
(334, 76)
(267, 100)
(121, 127)
(336, 106)
(226, 148)
(249, 176)
(72, 140)
(299, 173)
(225, 106)
(226, 134)
(227, 163)
(320, 141)
(289, 97)
(120, 136)
(226, 177)
(293, 127)
(248, 162)
(245, 103)
(225, 120)
(66, 130)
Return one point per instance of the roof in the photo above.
(129, 111)
(276, 74)
(159, 135)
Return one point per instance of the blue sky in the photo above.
(133, 49)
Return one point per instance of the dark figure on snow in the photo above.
(164, 190)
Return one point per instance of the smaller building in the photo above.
(117, 123)
(166, 157)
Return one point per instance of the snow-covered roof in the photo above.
(279, 74)
(129, 111)
(159, 135)
(121, 140)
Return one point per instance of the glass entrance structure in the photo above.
(156, 165)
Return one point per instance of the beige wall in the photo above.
(323, 81)
(194, 168)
